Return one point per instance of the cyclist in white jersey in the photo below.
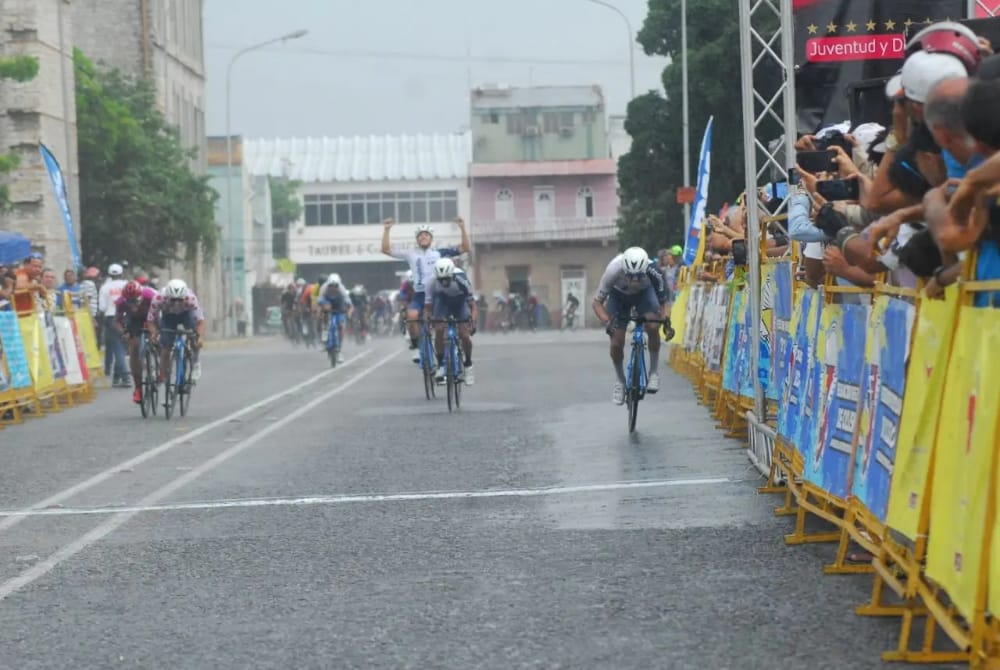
(631, 281)
(421, 261)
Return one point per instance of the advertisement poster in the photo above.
(814, 367)
(736, 342)
(13, 349)
(783, 282)
(67, 346)
(886, 353)
(37, 350)
(54, 347)
(792, 406)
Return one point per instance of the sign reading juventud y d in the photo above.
(358, 244)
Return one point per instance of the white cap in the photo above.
(115, 270)
(922, 70)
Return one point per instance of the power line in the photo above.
(423, 56)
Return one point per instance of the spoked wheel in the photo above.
(427, 364)
(460, 370)
(149, 389)
(184, 392)
(169, 391)
(632, 393)
(451, 380)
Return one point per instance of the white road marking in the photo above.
(305, 501)
(103, 530)
(131, 463)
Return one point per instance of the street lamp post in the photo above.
(685, 121)
(631, 36)
(226, 299)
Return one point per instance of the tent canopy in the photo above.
(14, 247)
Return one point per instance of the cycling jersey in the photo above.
(359, 299)
(288, 300)
(406, 292)
(130, 315)
(163, 305)
(451, 299)
(336, 298)
(615, 279)
(422, 262)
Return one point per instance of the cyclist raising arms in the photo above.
(334, 299)
(422, 260)
(631, 282)
(131, 314)
(173, 307)
(449, 294)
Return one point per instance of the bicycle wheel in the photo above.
(184, 392)
(427, 365)
(632, 392)
(145, 406)
(152, 391)
(456, 352)
(169, 389)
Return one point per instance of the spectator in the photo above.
(28, 283)
(114, 350)
(72, 286)
(240, 312)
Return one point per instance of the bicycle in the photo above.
(636, 377)
(425, 349)
(454, 366)
(150, 353)
(333, 338)
(178, 384)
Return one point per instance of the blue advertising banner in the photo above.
(734, 344)
(842, 333)
(886, 358)
(811, 372)
(700, 198)
(782, 331)
(13, 349)
(59, 188)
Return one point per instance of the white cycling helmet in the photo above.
(358, 289)
(409, 275)
(444, 268)
(175, 289)
(424, 228)
(333, 279)
(635, 260)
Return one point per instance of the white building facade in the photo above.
(350, 185)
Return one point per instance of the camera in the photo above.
(830, 221)
(739, 252)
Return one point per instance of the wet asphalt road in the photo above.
(306, 518)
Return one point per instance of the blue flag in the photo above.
(700, 198)
(59, 188)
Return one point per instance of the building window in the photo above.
(352, 209)
(585, 202)
(556, 121)
(504, 206)
(492, 118)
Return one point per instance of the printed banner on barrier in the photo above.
(842, 343)
(714, 338)
(886, 352)
(782, 331)
(925, 379)
(88, 338)
(37, 350)
(678, 314)
(803, 327)
(964, 456)
(765, 362)
(81, 359)
(13, 349)
(67, 346)
(694, 315)
(812, 368)
(55, 348)
(734, 340)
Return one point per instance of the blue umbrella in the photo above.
(14, 247)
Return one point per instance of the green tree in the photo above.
(285, 208)
(139, 198)
(653, 170)
(16, 68)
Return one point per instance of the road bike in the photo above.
(178, 386)
(636, 377)
(333, 340)
(427, 362)
(149, 352)
(454, 367)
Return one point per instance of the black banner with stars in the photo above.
(840, 43)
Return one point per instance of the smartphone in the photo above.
(739, 252)
(815, 161)
(839, 189)
(793, 177)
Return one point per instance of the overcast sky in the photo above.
(400, 66)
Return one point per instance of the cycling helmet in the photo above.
(408, 276)
(321, 280)
(358, 289)
(333, 279)
(300, 282)
(635, 260)
(132, 291)
(444, 268)
(424, 228)
(175, 289)
(115, 270)
(951, 38)
(676, 250)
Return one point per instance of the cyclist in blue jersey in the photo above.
(631, 281)
(421, 261)
(449, 294)
(334, 299)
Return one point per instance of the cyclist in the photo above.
(131, 314)
(422, 260)
(359, 300)
(632, 282)
(572, 304)
(336, 301)
(449, 294)
(176, 305)
(288, 312)
(403, 300)
(381, 312)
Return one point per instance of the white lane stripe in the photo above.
(131, 463)
(103, 530)
(375, 498)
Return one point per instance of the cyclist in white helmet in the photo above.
(631, 281)
(449, 294)
(421, 262)
(176, 305)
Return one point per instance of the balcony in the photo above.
(522, 231)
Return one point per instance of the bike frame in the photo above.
(180, 341)
(334, 331)
(638, 353)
